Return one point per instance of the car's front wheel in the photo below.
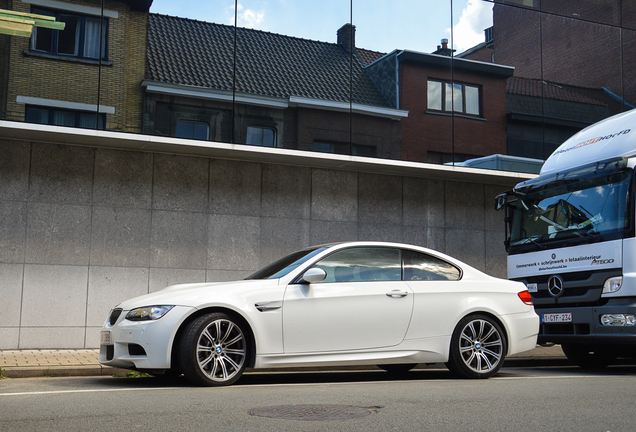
(213, 350)
(478, 347)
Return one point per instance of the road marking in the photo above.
(87, 391)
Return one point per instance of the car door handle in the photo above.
(397, 294)
(268, 306)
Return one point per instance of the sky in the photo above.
(381, 25)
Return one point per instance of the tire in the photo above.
(397, 369)
(214, 350)
(589, 356)
(478, 347)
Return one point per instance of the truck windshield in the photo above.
(587, 210)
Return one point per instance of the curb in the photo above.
(61, 371)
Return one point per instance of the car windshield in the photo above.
(587, 210)
(283, 266)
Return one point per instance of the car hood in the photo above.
(201, 294)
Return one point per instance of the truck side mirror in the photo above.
(500, 201)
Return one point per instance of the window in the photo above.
(453, 97)
(362, 264)
(80, 37)
(193, 130)
(345, 148)
(260, 136)
(60, 117)
(422, 267)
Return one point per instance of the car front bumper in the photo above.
(141, 344)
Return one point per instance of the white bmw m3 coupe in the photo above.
(360, 303)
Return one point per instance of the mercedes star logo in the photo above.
(555, 286)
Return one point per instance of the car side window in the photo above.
(362, 264)
(423, 267)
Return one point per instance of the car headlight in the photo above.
(148, 313)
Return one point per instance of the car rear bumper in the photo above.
(522, 331)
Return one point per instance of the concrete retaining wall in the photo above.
(84, 228)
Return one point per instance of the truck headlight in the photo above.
(612, 284)
(148, 313)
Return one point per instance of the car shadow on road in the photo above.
(288, 377)
(264, 378)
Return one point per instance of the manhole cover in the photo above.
(313, 412)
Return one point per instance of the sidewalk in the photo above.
(84, 362)
(53, 363)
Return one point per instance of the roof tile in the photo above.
(197, 53)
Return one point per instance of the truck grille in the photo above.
(580, 289)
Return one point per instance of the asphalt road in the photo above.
(518, 399)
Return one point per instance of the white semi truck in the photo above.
(570, 237)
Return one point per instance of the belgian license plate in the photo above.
(104, 338)
(564, 317)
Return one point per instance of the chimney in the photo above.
(347, 37)
(444, 49)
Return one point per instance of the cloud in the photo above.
(247, 17)
(469, 30)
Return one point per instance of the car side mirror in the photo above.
(314, 275)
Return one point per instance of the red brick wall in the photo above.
(565, 48)
(422, 132)
(483, 55)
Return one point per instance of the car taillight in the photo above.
(526, 297)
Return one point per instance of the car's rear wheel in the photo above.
(589, 357)
(213, 350)
(478, 347)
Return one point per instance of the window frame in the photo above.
(356, 248)
(405, 252)
(80, 38)
(193, 122)
(262, 129)
(101, 123)
(443, 100)
(348, 149)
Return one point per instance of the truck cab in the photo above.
(570, 238)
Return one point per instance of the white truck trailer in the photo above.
(570, 238)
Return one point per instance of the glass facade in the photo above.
(442, 82)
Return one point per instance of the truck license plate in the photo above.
(104, 338)
(565, 317)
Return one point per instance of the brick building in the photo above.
(278, 91)
(453, 115)
(573, 65)
(57, 77)
(584, 44)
